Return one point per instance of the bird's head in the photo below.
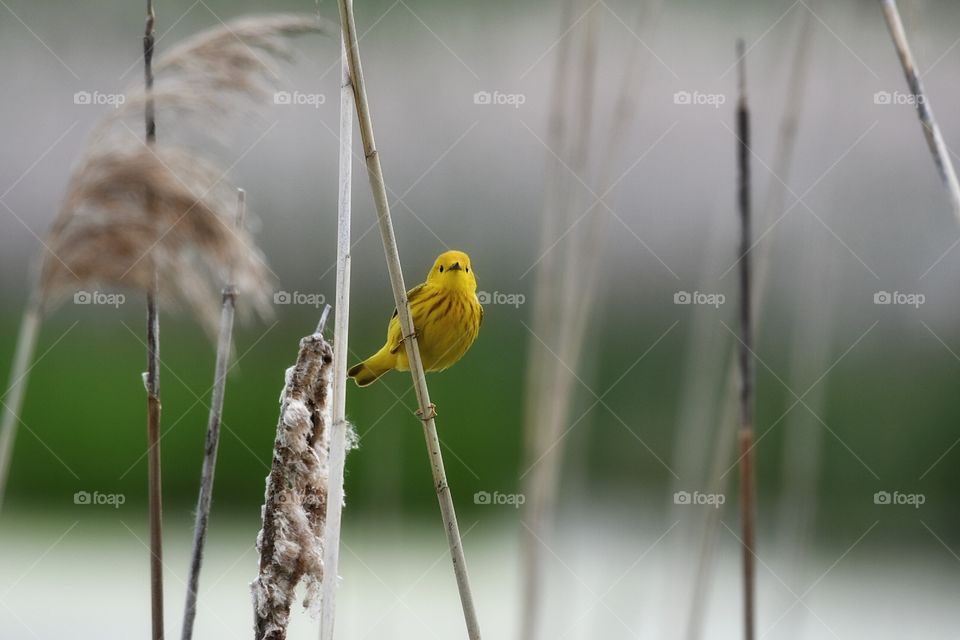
(452, 270)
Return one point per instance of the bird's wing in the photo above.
(412, 296)
(480, 324)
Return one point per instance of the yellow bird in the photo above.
(446, 316)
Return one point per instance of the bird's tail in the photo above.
(370, 370)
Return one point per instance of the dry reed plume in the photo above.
(131, 212)
(104, 234)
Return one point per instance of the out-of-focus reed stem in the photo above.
(12, 400)
(773, 205)
(745, 435)
(931, 131)
(224, 342)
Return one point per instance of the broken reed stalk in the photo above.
(224, 342)
(12, 400)
(341, 322)
(295, 503)
(427, 410)
(152, 379)
(745, 435)
(931, 131)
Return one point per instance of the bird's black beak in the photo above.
(455, 267)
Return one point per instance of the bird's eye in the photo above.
(441, 268)
(468, 269)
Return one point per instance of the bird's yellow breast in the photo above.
(447, 321)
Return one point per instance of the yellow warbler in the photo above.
(446, 316)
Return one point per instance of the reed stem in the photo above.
(931, 131)
(745, 435)
(153, 369)
(427, 410)
(17, 386)
(341, 322)
(224, 342)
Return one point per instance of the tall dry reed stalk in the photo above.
(152, 376)
(341, 321)
(295, 503)
(745, 351)
(724, 426)
(228, 306)
(931, 131)
(427, 411)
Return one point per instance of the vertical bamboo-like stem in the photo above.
(224, 341)
(745, 435)
(938, 148)
(17, 386)
(427, 411)
(341, 322)
(153, 369)
(727, 423)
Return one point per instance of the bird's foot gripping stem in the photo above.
(430, 414)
